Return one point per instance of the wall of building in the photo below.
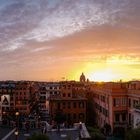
(71, 101)
(136, 118)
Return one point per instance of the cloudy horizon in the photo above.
(50, 39)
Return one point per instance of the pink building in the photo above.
(133, 102)
(110, 102)
(114, 104)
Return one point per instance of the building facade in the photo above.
(17, 96)
(114, 104)
(110, 104)
(133, 103)
(136, 118)
(71, 101)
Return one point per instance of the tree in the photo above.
(96, 134)
(133, 134)
(68, 138)
(38, 137)
(107, 128)
(27, 126)
(119, 131)
(59, 118)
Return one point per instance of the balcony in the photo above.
(137, 108)
(120, 124)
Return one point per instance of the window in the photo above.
(134, 86)
(103, 98)
(74, 116)
(81, 104)
(124, 101)
(81, 115)
(9, 90)
(58, 105)
(107, 99)
(100, 109)
(116, 102)
(69, 105)
(135, 102)
(7, 108)
(117, 117)
(69, 116)
(69, 94)
(24, 102)
(74, 105)
(129, 102)
(124, 117)
(64, 105)
(106, 113)
(130, 118)
(11, 104)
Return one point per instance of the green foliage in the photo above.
(59, 117)
(95, 133)
(93, 129)
(97, 136)
(38, 137)
(68, 138)
(133, 134)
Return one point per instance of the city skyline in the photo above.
(50, 39)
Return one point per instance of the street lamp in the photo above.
(80, 128)
(16, 134)
(17, 114)
(4, 117)
(4, 113)
(80, 125)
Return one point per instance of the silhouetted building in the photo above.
(82, 78)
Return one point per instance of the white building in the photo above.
(136, 118)
(51, 88)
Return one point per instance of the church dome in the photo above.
(82, 78)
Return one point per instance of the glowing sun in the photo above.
(105, 75)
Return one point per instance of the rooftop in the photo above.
(71, 134)
(79, 129)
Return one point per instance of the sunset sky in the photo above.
(49, 39)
